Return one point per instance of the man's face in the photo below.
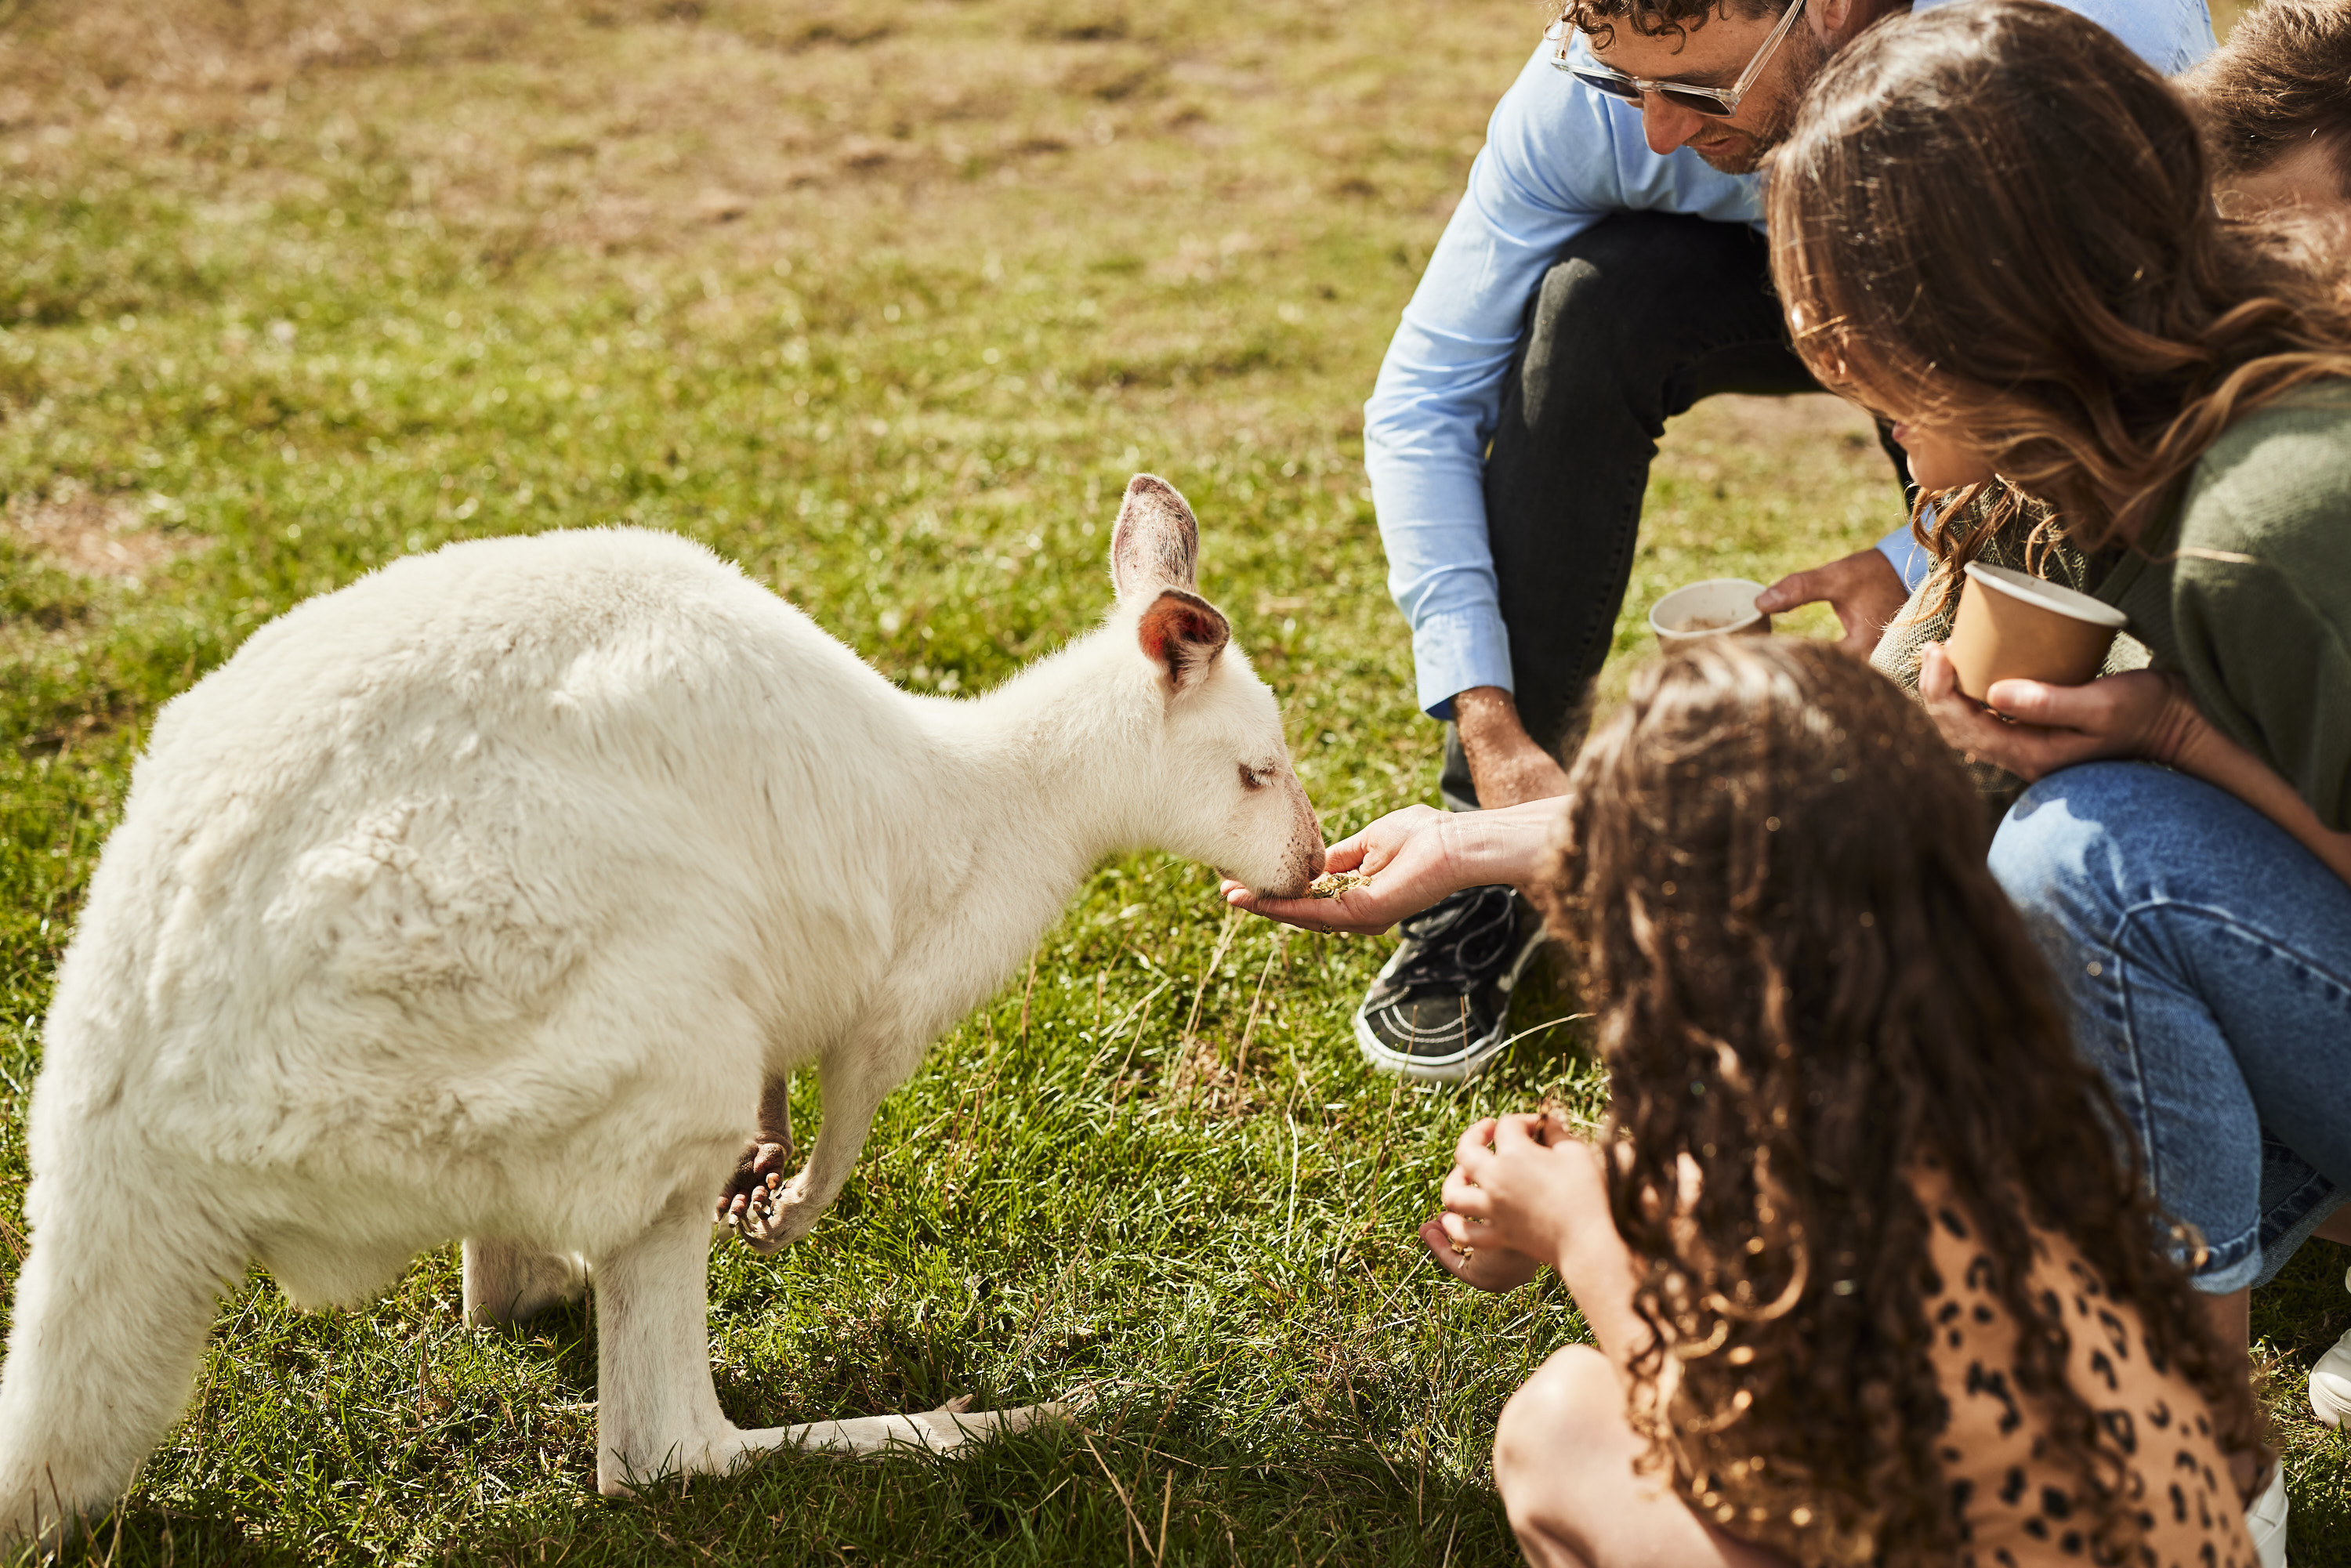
(1712, 54)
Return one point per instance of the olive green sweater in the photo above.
(2245, 589)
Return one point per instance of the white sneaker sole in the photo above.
(2330, 1380)
(2330, 1383)
(2265, 1523)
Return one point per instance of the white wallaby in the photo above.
(485, 897)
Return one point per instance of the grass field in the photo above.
(885, 302)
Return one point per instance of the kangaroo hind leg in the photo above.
(656, 1412)
(507, 1281)
(948, 1430)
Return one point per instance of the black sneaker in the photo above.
(1436, 1011)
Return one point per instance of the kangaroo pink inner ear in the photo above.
(1156, 543)
(1183, 633)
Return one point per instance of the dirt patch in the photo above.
(752, 127)
(96, 536)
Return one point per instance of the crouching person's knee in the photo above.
(2071, 850)
(1563, 1445)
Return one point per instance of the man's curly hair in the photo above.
(2282, 81)
(1597, 19)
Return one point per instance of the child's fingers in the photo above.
(1469, 1150)
(1514, 1132)
(1463, 1197)
(1484, 1267)
(1445, 1252)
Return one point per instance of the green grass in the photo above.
(885, 302)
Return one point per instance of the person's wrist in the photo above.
(1503, 845)
(2178, 727)
(1475, 852)
(1455, 850)
(1587, 1257)
(1484, 714)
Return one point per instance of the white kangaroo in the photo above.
(483, 898)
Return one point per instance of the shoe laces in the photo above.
(1457, 943)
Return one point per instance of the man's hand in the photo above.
(1413, 858)
(1505, 764)
(1863, 588)
(2144, 713)
(1409, 857)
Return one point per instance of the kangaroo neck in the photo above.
(1040, 776)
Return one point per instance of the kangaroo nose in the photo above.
(1314, 862)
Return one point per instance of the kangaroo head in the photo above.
(1223, 791)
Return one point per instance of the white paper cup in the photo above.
(2013, 626)
(1711, 609)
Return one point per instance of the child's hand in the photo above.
(1525, 1183)
(1495, 1268)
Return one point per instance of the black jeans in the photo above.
(1642, 315)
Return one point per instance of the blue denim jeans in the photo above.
(2206, 960)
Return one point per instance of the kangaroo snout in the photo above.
(1305, 856)
(1315, 852)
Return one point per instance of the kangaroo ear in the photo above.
(1156, 543)
(1183, 633)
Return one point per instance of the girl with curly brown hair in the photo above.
(1867, 1280)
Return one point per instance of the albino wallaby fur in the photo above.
(483, 898)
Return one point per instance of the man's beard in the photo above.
(1801, 55)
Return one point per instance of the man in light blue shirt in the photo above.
(1605, 269)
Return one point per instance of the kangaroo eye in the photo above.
(1251, 779)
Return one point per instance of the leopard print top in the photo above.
(2013, 1504)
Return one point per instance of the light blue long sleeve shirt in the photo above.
(1559, 156)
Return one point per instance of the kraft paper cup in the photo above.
(2015, 627)
(1710, 609)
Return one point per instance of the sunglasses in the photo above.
(1717, 100)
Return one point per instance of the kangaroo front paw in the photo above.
(775, 1215)
(753, 1190)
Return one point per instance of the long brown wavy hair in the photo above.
(1773, 872)
(1995, 218)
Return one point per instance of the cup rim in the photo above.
(2053, 597)
(1750, 619)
